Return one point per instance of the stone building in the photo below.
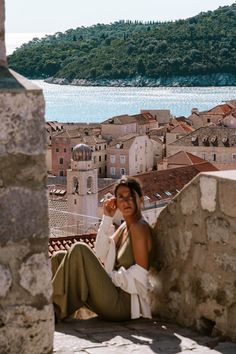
(162, 116)
(180, 159)
(119, 126)
(82, 190)
(212, 116)
(62, 146)
(129, 155)
(214, 144)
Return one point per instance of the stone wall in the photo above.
(3, 60)
(197, 255)
(26, 313)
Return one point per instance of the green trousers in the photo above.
(79, 280)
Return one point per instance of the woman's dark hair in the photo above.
(131, 183)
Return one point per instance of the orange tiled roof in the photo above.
(184, 158)
(172, 180)
(220, 109)
(64, 243)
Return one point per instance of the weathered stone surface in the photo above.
(226, 262)
(26, 330)
(35, 276)
(189, 202)
(26, 318)
(22, 129)
(227, 197)
(185, 239)
(136, 336)
(208, 187)
(5, 280)
(196, 254)
(3, 60)
(28, 171)
(23, 214)
(218, 229)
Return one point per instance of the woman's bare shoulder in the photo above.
(140, 227)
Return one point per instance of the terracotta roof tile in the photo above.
(184, 158)
(64, 243)
(159, 182)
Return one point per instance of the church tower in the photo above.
(82, 190)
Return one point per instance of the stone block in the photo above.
(35, 276)
(25, 329)
(189, 201)
(23, 215)
(5, 280)
(227, 198)
(218, 229)
(226, 262)
(22, 123)
(208, 187)
(184, 238)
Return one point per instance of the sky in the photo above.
(50, 16)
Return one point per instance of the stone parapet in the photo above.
(3, 59)
(26, 313)
(196, 236)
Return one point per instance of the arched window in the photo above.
(122, 171)
(75, 188)
(89, 185)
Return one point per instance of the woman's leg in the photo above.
(56, 261)
(80, 279)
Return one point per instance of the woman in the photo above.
(119, 290)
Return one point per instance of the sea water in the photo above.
(66, 103)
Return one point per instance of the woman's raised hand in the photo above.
(109, 206)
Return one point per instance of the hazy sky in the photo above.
(60, 15)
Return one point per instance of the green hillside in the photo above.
(204, 44)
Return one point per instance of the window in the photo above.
(99, 147)
(89, 185)
(75, 201)
(112, 171)
(122, 171)
(100, 158)
(64, 149)
(112, 158)
(100, 170)
(75, 187)
(61, 173)
(105, 146)
(105, 169)
(105, 157)
(57, 149)
(234, 157)
(214, 157)
(61, 161)
(122, 158)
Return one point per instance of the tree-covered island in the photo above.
(199, 51)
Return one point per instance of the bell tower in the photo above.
(82, 190)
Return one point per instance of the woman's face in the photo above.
(125, 201)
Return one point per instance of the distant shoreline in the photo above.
(218, 79)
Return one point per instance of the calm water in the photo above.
(95, 104)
